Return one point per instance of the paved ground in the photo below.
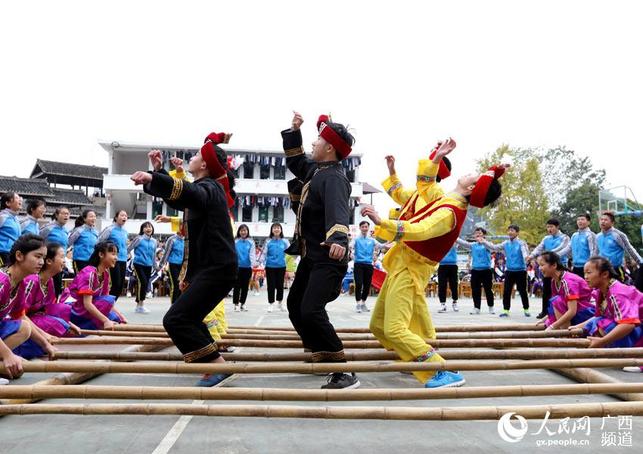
(110, 434)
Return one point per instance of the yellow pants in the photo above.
(401, 321)
(216, 321)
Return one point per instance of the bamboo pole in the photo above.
(290, 411)
(372, 355)
(443, 328)
(461, 343)
(143, 327)
(592, 376)
(268, 394)
(312, 368)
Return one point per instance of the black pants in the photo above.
(58, 283)
(184, 320)
(315, 285)
(519, 279)
(620, 273)
(275, 278)
(638, 279)
(363, 275)
(546, 295)
(175, 292)
(4, 258)
(240, 292)
(79, 265)
(117, 276)
(480, 279)
(579, 271)
(143, 274)
(447, 274)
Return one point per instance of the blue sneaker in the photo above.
(212, 380)
(504, 313)
(445, 379)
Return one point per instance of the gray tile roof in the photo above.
(44, 168)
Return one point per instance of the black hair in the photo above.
(610, 215)
(223, 160)
(80, 220)
(447, 163)
(603, 265)
(145, 224)
(552, 258)
(586, 216)
(57, 212)
(481, 230)
(102, 247)
(117, 213)
(343, 133)
(553, 221)
(25, 244)
(281, 235)
(33, 204)
(364, 222)
(242, 226)
(514, 227)
(52, 251)
(494, 193)
(6, 198)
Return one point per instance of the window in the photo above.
(263, 214)
(278, 214)
(171, 211)
(157, 207)
(350, 174)
(264, 171)
(247, 214)
(280, 172)
(248, 170)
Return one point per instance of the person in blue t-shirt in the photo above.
(481, 272)
(117, 234)
(555, 241)
(144, 247)
(448, 276)
(582, 246)
(173, 254)
(247, 259)
(274, 256)
(10, 204)
(83, 239)
(613, 244)
(35, 211)
(56, 232)
(364, 249)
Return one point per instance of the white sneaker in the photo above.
(129, 294)
(475, 311)
(244, 308)
(236, 308)
(282, 308)
(455, 307)
(491, 310)
(358, 308)
(4, 381)
(364, 308)
(149, 295)
(257, 293)
(443, 308)
(142, 310)
(269, 307)
(633, 369)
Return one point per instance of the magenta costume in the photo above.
(623, 304)
(570, 288)
(43, 309)
(88, 282)
(11, 306)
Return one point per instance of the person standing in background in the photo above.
(35, 211)
(247, 259)
(365, 250)
(117, 234)
(274, 256)
(83, 239)
(10, 205)
(56, 232)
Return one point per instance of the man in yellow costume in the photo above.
(429, 224)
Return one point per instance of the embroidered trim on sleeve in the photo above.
(294, 152)
(400, 231)
(177, 189)
(337, 228)
(393, 188)
(425, 178)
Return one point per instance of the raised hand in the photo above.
(369, 211)
(141, 178)
(297, 120)
(162, 218)
(177, 163)
(156, 159)
(390, 163)
(444, 149)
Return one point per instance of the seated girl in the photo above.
(93, 306)
(570, 303)
(619, 308)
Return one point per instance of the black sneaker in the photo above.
(340, 380)
(542, 315)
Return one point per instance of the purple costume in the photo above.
(623, 304)
(88, 282)
(43, 309)
(570, 288)
(11, 306)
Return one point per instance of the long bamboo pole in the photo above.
(372, 355)
(593, 376)
(312, 368)
(268, 394)
(468, 343)
(285, 411)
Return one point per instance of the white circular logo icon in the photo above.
(508, 432)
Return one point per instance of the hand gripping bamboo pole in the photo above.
(312, 368)
(37, 392)
(371, 355)
(284, 411)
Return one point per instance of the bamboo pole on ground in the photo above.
(583, 375)
(289, 411)
(312, 368)
(461, 343)
(372, 355)
(270, 394)
(444, 328)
